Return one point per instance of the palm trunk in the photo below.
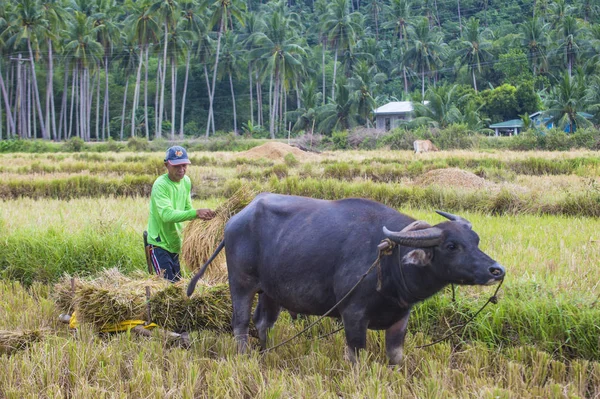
(146, 121)
(163, 81)
(235, 130)
(36, 92)
(71, 120)
(474, 80)
(9, 118)
(97, 105)
(251, 94)
(159, 73)
(136, 92)
(124, 105)
(185, 84)
(214, 80)
(62, 119)
(323, 66)
(173, 95)
(334, 73)
(210, 101)
(271, 107)
(49, 89)
(259, 103)
(423, 85)
(105, 116)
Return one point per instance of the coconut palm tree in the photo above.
(165, 12)
(145, 28)
(534, 37)
(571, 39)
(474, 48)
(440, 109)
(127, 60)
(253, 23)
(340, 114)
(342, 29)
(426, 50)
(193, 23)
(362, 84)
(282, 53)
(305, 116)
(85, 52)
(58, 18)
(222, 16)
(229, 67)
(27, 26)
(108, 35)
(565, 102)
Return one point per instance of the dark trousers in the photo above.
(167, 263)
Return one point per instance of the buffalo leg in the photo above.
(356, 335)
(265, 315)
(240, 321)
(394, 340)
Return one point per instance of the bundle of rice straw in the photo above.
(64, 293)
(11, 341)
(114, 298)
(201, 237)
(109, 299)
(208, 309)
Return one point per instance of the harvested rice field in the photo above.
(72, 246)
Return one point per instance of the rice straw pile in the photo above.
(113, 298)
(208, 309)
(201, 237)
(11, 341)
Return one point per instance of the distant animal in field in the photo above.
(424, 146)
(305, 255)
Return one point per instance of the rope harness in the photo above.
(385, 248)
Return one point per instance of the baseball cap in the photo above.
(177, 155)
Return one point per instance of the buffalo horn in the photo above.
(455, 218)
(429, 237)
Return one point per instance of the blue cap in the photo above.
(177, 155)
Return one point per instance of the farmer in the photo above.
(170, 206)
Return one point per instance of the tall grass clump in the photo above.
(43, 255)
(77, 186)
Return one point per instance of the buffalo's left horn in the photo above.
(455, 218)
(429, 237)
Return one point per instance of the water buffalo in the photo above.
(424, 146)
(305, 254)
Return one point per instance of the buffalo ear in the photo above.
(418, 257)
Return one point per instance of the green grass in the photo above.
(540, 340)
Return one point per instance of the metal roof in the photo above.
(511, 124)
(395, 107)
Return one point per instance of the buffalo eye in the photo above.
(451, 246)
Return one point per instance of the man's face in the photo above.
(176, 172)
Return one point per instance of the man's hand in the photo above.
(205, 214)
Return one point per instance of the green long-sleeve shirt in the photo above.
(170, 205)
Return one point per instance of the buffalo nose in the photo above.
(497, 271)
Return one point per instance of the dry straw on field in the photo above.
(276, 151)
(452, 177)
(11, 341)
(202, 237)
(114, 298)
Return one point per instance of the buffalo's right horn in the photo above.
(428, 237)
(455, 218)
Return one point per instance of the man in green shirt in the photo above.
(170, 206)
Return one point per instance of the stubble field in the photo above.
(536, 213)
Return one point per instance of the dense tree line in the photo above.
(168, 68)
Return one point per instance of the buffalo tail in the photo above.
(194, 280)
